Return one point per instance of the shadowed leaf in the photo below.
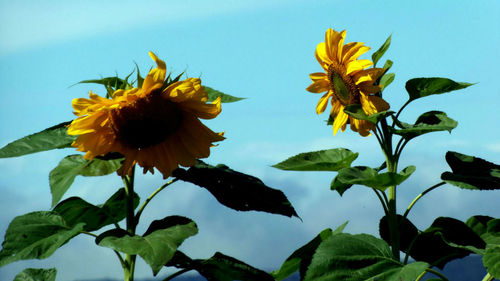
(469, 172)
(422, 87)
(37, 274)
(407, 231)
(51, 138)
(370, 177)
(236, 190)
(340, 187)
(432, 121)
(356, 111)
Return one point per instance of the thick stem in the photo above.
(129, 263)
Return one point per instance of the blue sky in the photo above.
(264, 51)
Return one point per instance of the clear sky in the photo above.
(264, 51)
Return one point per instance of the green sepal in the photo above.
(432, 121)
(220, 267)
(387, 65)
(386, 80)
(55, 137)
(157, 246)
(322, 160)
(75, 210)
(301, 258)
(36, 235)
(37, 274)
(422, 87)
(356, 111)
(224, 98)
(62, 176)
(114, 83)
(469, 172)
(381, 51)
(237, 190)
(139, 78)
(359, 257)
(367, 176)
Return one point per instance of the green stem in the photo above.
(420, 196)
(488, 277)
(129, 263)
(143, 206)
(399, 112)
(383, 200)
(177, 274)
(117, 254)
(435, 272)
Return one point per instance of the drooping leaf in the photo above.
(75, 210)
(37, 274)
(356, 111)
(301, 258)
(220, 267)
(36, 236)
(469, 172)
(407, 231)
(54, 137)
(432, 121)
(422, 87)
(340, 187)
(224, 98)
(157, 246)
(114, 82)
(370, 177)
(236, 190)
(445, 240)
(64, 174)
(323, 160)
(359, 257)
(386, 80)
(479, 224)
(381, 51)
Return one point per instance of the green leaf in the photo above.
(407, 232)
(35, 236)
(432, 121)
(381, 51)
(301, 258)
(54, 137)
(157, 246)
(236, 190)
(359, 257)
(224, 98)
(469, 172)
(369, 177)
(62, 176)
(445, 240)
(422, 87)
(489, 230)
(388, 64)
(114, 82)
(37, 274)
(479, 224)
(386, 80)
(323, 160)
(220, 267)
(491, 260)
(75, 210)
(356, 111)
(339, 186)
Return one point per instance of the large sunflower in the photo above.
(346, 81)
(154, 126)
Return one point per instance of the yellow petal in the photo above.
(353, 53)
(331, 42)
(368, 75)
(321, 55)
(357, 65)
(373, 104)
(319, 86)
(340, 46)
(318, 76)
(367, 88)
(155, 75)
(323, 102)
(339, 120)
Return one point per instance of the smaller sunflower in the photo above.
(155, 126)
(346, 81)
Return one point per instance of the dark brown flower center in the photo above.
(146, 122)
(342, 85)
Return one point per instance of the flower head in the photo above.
(346, 81)
(156, 125)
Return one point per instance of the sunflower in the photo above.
(156, 125)
(346, 81)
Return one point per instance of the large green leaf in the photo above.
(323, 160)
(359, 257)
(158, 244)
(36, 236)
(381, 51)
(220, 267)
(75, 210)
(37, 274)
(422, 87)
(356, 111)
(301, 258)
(62, 176)
(407, 231)
(471, 172)
(445, 240)
(236, 190)
(338, 186)
(224, 98)
(48, 139)
(489, 230)
(432, 121)
(491, 261)
(370, 177)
